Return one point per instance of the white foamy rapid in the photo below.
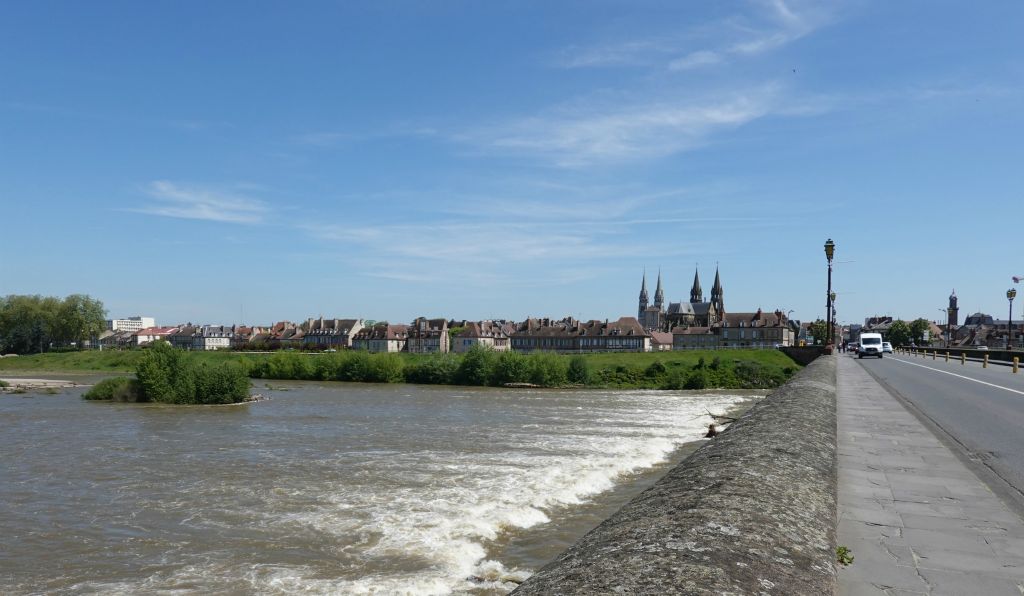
(467, 499)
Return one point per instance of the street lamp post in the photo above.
(832, 297)
(1010, 295)
(830, 251)
(946, 310)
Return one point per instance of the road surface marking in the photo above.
(946, 372)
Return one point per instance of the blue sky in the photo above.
(226, 162)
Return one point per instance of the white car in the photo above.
(886, 347)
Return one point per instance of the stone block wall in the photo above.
(753, 511)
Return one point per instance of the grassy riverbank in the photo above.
(734, 369)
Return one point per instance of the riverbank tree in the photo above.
(35, 324)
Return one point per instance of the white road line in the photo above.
(946, 372)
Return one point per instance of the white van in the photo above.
(870, 345)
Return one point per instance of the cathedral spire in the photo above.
(659, 294)
(716, 293)
(643, 297)
(696, 293)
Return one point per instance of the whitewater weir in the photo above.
(751, 512)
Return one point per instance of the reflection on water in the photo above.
(325, 488)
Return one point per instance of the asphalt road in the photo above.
(980, 409)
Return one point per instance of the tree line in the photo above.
(35, 324)
(481, 366)
(901, 333)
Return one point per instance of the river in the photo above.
(324, 487)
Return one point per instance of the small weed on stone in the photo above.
(843, 556)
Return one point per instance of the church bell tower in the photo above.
(953, 312)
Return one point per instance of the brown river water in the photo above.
(325, 488)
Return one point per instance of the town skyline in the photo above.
(250, 163)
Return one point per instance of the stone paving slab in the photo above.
(916, 519)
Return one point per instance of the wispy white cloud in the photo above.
(769, 25)
(627, 53)
(785, 21)
(470, 243)
(580, 135)
(190, 202)
(695, 60)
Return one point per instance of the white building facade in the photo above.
(130, 324)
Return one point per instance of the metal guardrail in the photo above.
(1010, 358)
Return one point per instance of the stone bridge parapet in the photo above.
(753, 511)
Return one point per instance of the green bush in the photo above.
(384, 368)
(167, 375)
(675, 380)
(579, 370)
(163, 375)
(476, 367)
(226, 384)
(655, 369)
(122, 389)
(355, 367)
(510, 367)
(434, 369)
(547, 369)
(288, 365)
(696, 379)
(622, 376)
(754, 374)
(325, 367)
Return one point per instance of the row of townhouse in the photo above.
(739, 330)
(188, 337)
(571, 335)
(424, 336)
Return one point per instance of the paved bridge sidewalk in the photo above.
(916, 518)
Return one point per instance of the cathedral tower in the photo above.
(659, 294)
(716, 294)
(643, 299)
(696, 293)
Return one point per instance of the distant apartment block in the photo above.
(130, 324)
(694, 338)
(738, 330)
(755, 330)
(571, 335)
